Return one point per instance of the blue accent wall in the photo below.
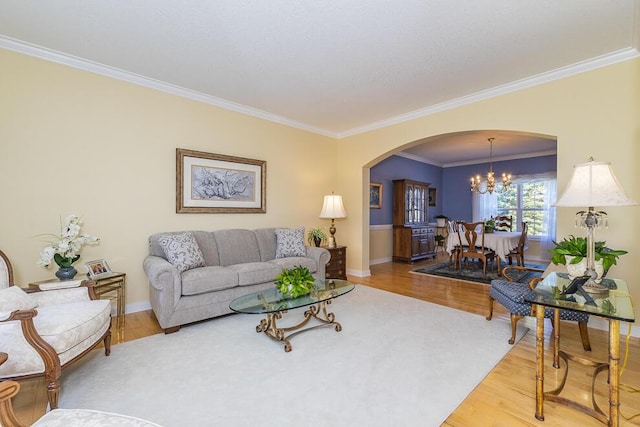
(452, 184)
(396, 167)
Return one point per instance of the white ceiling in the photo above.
(333, 67)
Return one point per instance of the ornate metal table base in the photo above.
(319, 312)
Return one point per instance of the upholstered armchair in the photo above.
(48, 328)
(511, 295)
(62, 417)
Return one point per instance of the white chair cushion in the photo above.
(69, 328)
(14, 298)
(89, 418)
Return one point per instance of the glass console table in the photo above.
(613, 305)
(274, 304)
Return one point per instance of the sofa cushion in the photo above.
(251, 273)
(207, 279)
(267, 243)
(290, 242)
(13, 298)
(182, 251)
(237, 246)
(291, 262)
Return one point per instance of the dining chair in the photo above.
(518, 251)
(471, 239)
(503, 223)
(455, 251)
(511, 295)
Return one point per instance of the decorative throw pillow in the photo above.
(13, 298)
(182, 251)
(290, 242)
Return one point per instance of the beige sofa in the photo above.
(234, 263)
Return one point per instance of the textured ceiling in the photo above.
(334, 67)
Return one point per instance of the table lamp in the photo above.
(593, 184)
(333, 208)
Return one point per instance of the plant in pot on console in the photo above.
(295, 281)
(439, 238)
(441, 220)
(572, 252)
(316, 237)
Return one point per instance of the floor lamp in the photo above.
(333, 208)
(593, 184)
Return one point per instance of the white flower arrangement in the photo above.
(66, 250)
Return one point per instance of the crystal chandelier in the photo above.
(490, 185)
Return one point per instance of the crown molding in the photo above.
(474, 161)
(116, 73)
(557, 74)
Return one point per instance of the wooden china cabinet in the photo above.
(413, 238)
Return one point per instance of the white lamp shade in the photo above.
(333, 207)
(594, 184)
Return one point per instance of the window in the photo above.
(530, 199)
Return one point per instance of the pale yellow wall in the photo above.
(72, 141)
(380, 244)
(592, 114)
(76, 142)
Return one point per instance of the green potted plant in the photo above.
(572, 251)
(439, 239)
(316, 237)
(295, 281)
(441, 220)
(490, 225)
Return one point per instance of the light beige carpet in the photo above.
(398, 361)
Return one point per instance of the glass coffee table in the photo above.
(274, 304)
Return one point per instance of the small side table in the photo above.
(543, 296)
(112, 286)
(337, 266)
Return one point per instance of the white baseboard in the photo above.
(137, 306)
(380, 261)
(359, 273)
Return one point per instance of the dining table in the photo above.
(501, 242)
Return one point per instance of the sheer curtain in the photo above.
(485, 205)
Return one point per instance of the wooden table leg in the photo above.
(556, 338)
(539, 362)
(614, 372)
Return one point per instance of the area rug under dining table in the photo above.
(474, 272)
(397, 361)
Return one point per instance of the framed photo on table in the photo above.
(375, 195)
(215, 183)
(98, 268)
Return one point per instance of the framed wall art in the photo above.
(433, 196)
(215, 183)
(98, 268)
(375, 195)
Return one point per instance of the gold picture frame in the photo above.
(375, 195)
(433, 196)
(216, 183)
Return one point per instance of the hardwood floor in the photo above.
(506, 397)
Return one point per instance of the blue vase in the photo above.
(66, 273)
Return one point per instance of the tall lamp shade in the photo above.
(593, 184)
(333, 208)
